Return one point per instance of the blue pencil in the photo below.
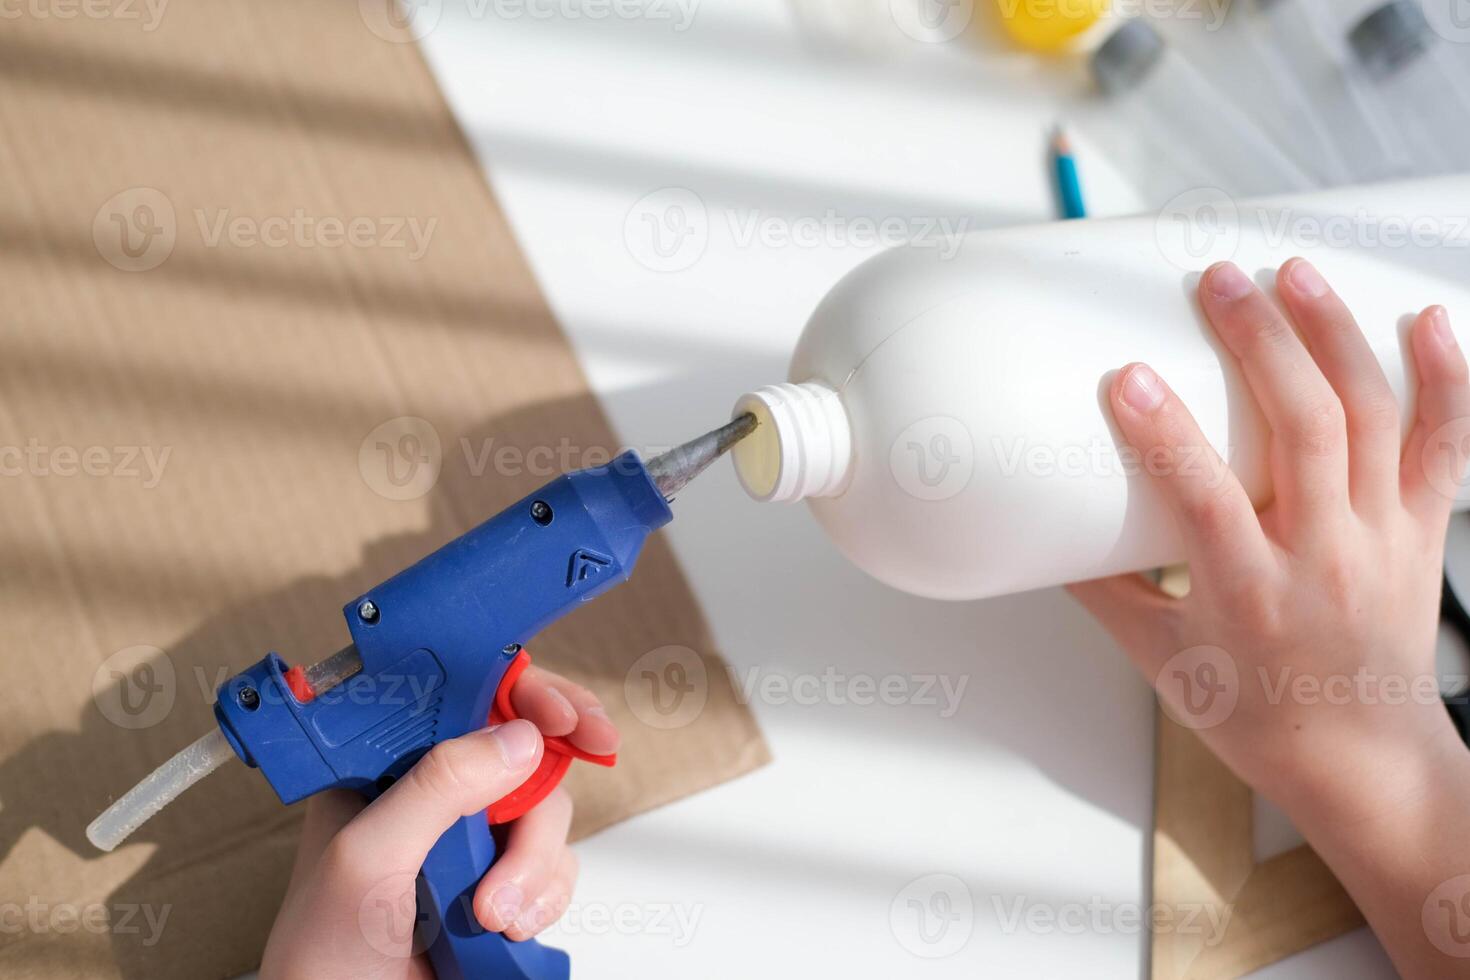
(1069, 185)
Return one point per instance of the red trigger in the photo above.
(554, 761)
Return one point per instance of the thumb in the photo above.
(1135, 613)
(457, 777)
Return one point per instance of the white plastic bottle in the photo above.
(946, 417)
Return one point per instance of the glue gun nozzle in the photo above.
(673, 470)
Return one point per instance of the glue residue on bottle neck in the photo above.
(801, 446)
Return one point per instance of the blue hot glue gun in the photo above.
(434, 648)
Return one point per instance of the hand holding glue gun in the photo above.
(350, 908)
(396, 717)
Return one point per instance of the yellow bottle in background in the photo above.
(1048, 25)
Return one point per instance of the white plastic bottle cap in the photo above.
(802, 444)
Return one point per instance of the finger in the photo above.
(1222, 536)
(1309, 433)
(1345, 359)
(537, 700)
(326, 814)
(456, 778)
(548, 697)
(552, 902)
(532, 850)
(1435, 456)
(1134, 612)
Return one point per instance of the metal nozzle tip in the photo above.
(733, 431)
(673, 470)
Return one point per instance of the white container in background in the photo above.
(946, 416)
(1420, 84)
(1199, 126)
(1333, 128)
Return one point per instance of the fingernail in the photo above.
(561, 700)
(1443, 332)
(1227, 282)
(597, 711)
(1306, 280)
(534, 920)
(506, 905)
(518, 740)
(1142, 391)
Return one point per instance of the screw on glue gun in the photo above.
(435, 650)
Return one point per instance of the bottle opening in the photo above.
(801, 446)
(758, 455)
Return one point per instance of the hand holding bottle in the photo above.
(1304, 651)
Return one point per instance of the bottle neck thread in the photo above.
(802, 445)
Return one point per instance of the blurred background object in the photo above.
(1421, 81)
(1049, 26)
(1303, 93)
(1157, 89)
(1329, 121)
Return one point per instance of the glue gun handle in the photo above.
(459, 947)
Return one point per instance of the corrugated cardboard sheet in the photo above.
(239, 244)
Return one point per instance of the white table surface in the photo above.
(1036, 792)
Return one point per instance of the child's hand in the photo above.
(349, 909)
(1336, 581)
